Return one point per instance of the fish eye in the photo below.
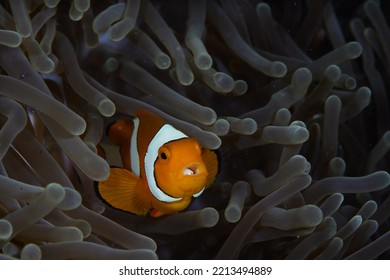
(164, 153)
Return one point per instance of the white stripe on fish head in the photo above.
(166, 134)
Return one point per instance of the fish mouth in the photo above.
(191, 170)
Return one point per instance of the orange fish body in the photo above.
(163, 169)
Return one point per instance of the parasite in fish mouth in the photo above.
(191, 170)
(188, 171)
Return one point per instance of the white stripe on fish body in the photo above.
(134, 155)
(166, 134)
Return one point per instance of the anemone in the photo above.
(293, 94)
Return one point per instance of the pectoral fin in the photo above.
(122, 191)
(211, 159)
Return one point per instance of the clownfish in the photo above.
(163, 168)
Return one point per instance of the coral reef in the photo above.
(293, 94)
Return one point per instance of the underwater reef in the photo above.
(293, 95)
